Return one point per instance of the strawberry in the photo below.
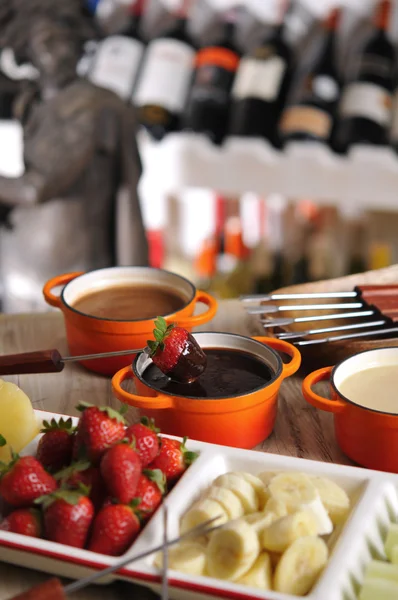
(98, 430)
(26, 521)
(54, 450)
(151, 487)
(68, 515)
(114, 529)
(144, 439)
(173, 459)
(24, 480)
(176, 352)
(83, 473)
(121, 469)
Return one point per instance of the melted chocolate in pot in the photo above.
(228, 373)
(130, 302)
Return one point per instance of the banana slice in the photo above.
(283, 532)
(232, 551)
(228, 500)
(267, 476)
(187, 557)
(258, 486)
(242, 488)
(260, 520)
(276, 507)
(260, 574)
(300, 566)
(297, 492)
(334, 498)
(203, 511)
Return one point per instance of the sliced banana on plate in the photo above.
(230, 501)
(334, 498)
(260, 574)
(297, 492)
(187, 557)
(242, 488)
(281, 533)
(232, 551)
(258, 486)
(300, 566)
(260, 520)
(202, 511)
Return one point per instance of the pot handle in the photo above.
(282, 346)
(51, 298)
(145, 402)
(334, 406)
(204, 317)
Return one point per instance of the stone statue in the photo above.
(79, 151)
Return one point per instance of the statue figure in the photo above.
(79, 151)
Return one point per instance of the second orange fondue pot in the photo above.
(94, 335)
(241, 421)
(366, 435)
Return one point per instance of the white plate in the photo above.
(374, 506)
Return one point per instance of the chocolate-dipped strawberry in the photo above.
(176, 352)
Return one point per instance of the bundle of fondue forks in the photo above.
(375, 305)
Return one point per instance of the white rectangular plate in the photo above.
(374, 506)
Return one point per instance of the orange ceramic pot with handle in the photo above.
(87, 334)
(240, 421)
(366, 435)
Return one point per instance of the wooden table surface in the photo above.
(300, 430)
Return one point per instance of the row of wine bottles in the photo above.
(216, 91)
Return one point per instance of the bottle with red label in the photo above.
(260, 86)
(311, 110)
(208, 107)
(163, 85)
(118, 58)
(365, 106)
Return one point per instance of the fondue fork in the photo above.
(290, 335)
(350, 336)
(204, 528)
(50, 361)
(360, 291)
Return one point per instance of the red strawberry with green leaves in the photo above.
(173, 459)
(23, 480)
(144, 438)
(114, 530)
(99, 428)
(54, 449)
(121, 469)
(68, 515)
(150, 490)
(176, 352)
(83, 472)
(26, 521)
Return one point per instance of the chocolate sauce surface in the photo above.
(130, 302)
(227, 373)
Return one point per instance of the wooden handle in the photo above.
(42, 361)
(49, 590)
(367, 291)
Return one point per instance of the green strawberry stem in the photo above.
(75, 467)
(150, 423)
(111, 412)
(65, 425)
(3, 441)
(188, 455)
(160, 333)
(70, 496)
(158, 477)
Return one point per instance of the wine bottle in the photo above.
(208, 106)
(118, 58)
(260, 87)
(365, 106)
(165, 78)
(312, 105)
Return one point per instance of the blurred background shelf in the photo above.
(367, 177)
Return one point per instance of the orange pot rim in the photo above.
(275, 379)
(125, 321)
(347, 400)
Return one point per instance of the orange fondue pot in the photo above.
(241, 421)
(366, 435)
(93, 335)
